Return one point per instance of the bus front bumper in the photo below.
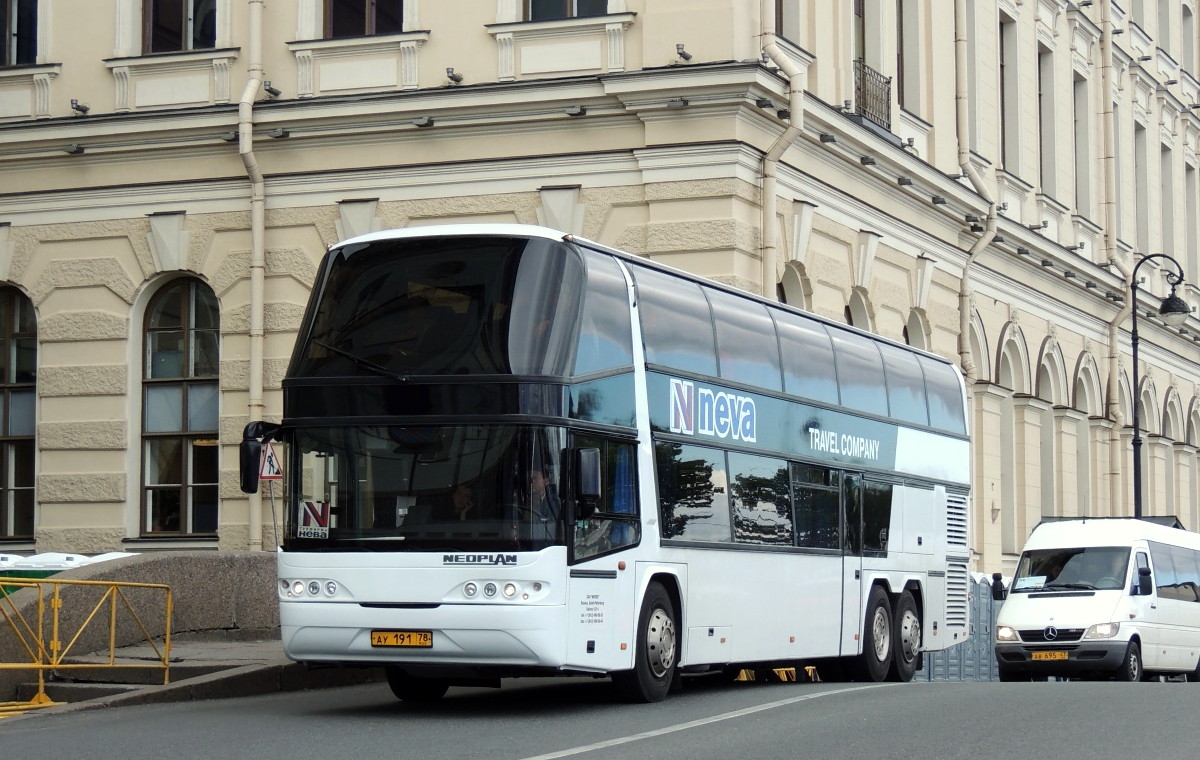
(508, 636)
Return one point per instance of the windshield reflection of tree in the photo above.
(693, 506)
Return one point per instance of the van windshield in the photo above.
(1085, 568)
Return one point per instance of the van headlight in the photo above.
(1006, 633)
(1102, 631)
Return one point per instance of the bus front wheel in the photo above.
(876, 658)
(655, 658)
(410, 689)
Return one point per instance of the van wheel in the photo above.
(876, 658)
(1131, 666)
(410, 689)
(907, 650)
(656, 654)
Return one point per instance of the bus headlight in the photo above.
(314, 588)
(470, 589)
(331, 587)
(1102, 631)
(489, 589)
(510, 590)
(1006, 633)
(297, 588)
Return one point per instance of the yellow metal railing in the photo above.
(45, 649)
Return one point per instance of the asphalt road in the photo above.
(539, 719)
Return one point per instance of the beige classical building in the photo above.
(979, 178)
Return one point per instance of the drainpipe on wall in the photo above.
(962, 126)
(797, 83)
(1109, 161)
(258, 255)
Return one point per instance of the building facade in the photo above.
(978, 178)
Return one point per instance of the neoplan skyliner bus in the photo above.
(728, 481)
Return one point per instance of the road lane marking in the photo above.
(697, 723)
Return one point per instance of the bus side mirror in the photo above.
(1145, 585)
(587, 482)
(250, 452)
(249, 456)
(999, 593)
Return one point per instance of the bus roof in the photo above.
(1108, 531)
(459, 230)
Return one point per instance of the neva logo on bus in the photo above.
(314, 520)
(697, 410)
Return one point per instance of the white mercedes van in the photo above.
(1101, 598)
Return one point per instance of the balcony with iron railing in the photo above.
(872, 95)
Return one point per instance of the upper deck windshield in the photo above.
(1089, 569)
(424, 488)
(444, 306)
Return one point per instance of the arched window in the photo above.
(18, 377)
(180, 411)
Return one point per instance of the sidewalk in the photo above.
(204, 667)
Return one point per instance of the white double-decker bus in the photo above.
(510, 452)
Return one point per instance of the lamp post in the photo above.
(1173, 311)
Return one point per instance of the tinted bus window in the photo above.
(859, 371)
(808, 368)
(761, 500)
(945, 396)
(746, 344)
(604, 333)
(905, 385)
(676, 323)
(444, 306)
(693, 492)
(818, 509)
(877, 518)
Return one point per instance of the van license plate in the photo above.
(401, 638)
(1049, 656)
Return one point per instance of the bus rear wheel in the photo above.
(907, 651)
(655, 658)
(876, 658)
(410, 689)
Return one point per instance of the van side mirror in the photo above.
(587, 482)
(1145, 585)
(999, 593)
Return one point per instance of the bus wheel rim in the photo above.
(910, 635)
(880, 635)
(660, 642)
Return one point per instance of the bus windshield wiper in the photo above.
(367, 364)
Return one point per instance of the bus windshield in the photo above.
(423, 488)
(1089, 569)
(444, 306)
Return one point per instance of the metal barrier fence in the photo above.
(975, 658)
(72, 611)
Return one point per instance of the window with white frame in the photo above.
(18, 32)
(180, 411)
(171, 26)
(356, 18)
(546, 10)
(18, 376)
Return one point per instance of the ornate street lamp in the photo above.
(1173, 311)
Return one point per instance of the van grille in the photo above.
(1063, 634)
